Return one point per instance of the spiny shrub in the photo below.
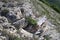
(4, 12)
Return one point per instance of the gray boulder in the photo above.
(11, 16)
(3, 20)
(20, 23)
(14, 14)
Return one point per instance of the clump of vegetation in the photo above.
(17, 38)
(3, 5)
(22, 10)
(4, 12)
(47, 37)
(14, 38)
(31, 21)
(55, 4)
(5, 1)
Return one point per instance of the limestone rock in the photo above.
(3, 20)
(20, 23)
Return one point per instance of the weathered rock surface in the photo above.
(20, 23)
(14, 21)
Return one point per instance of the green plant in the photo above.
(5, 1)
(47, 37)
(31, 21)
(4, 12)
(53, 4)
(16, 38)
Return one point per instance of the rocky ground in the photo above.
(20, 20)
